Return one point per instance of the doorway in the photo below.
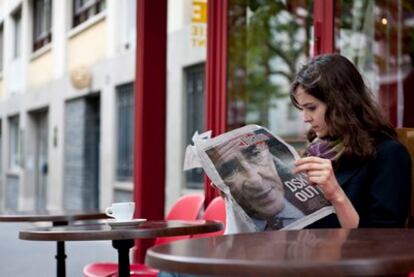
(81, 162)
(41, 158)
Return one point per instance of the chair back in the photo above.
(216, 210)
(406, 137)
(187, 207)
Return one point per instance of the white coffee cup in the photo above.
(122, 211)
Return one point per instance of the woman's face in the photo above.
(313, 111)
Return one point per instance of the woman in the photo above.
(353, 156)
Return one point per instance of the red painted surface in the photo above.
(216, 74)
(150, 114)
(388, 100)
(323, 25)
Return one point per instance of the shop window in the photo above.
(377, 36)
(268, 42)
(85, 9)
(125, 132)
(14, 142)
(194, 77)
(17, 24)
(42, 23)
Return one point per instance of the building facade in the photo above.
(67, 71)
(66, 108)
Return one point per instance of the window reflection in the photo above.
(268, 42)
(378, 36)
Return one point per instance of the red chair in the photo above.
(216, 210)
(110, 269)
(187, 207)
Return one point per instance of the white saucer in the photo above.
(124, 224)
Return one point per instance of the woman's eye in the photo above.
(312, 108)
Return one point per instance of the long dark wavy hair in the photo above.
(352, 115)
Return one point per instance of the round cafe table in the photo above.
(57, 218)
(123, 236)
(310, 252)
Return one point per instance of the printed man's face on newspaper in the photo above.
(251, 175)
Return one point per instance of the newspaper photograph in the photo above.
(253, 170)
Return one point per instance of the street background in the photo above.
(20, 258)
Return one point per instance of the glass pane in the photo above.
(194, 77)
(14, 154)
(1, 47)
(378, 36)
(125, 135)
(268, 42)
(186, 47)
(17, 33)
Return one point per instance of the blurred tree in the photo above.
(267, 41)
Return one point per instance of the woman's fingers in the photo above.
(311, 165)
(318, 180)
(309, 160)
(318, 173)
(308, 167)
(318, 170)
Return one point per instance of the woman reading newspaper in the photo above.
(353, 155)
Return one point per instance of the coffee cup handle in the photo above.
(108, 212)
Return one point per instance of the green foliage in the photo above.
(267, 39)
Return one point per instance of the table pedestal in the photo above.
(60, 253)
(60, 259)
(123, 247)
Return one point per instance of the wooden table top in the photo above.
(54, 216)
(333, 252)
(103, 231)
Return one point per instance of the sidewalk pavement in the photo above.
(24, 258)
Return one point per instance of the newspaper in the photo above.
(252, 168)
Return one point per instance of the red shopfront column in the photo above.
(323, 26)
(216, 76)
(150, 114)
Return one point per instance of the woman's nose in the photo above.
(306, 117)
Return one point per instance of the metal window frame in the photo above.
(150, 114)
(216, 75)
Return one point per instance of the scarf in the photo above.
(326, 149)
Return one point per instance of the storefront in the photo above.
(257, 46)
(254, 49)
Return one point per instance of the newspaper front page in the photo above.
(253, 170)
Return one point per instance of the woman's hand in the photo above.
(320, 173)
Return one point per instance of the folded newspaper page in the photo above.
(253, 170)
